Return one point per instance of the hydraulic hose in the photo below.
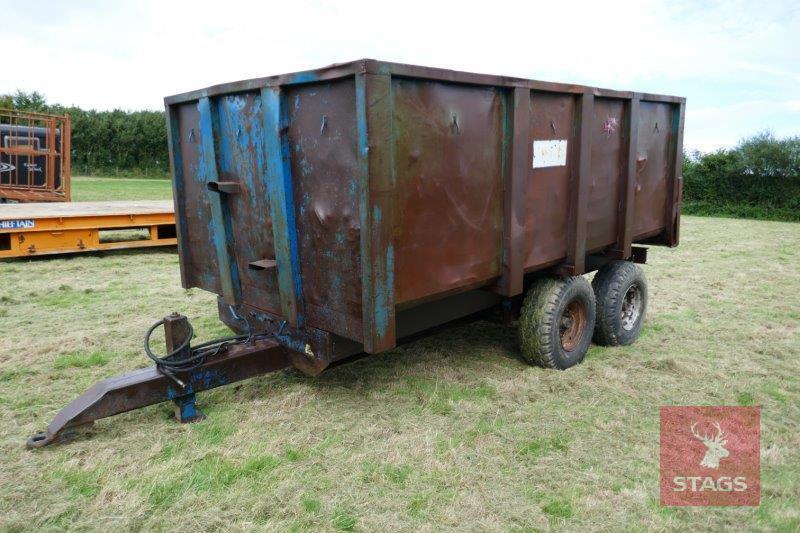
(196, 355)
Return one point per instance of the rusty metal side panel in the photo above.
(652, 167)
(548, 188)
(322, 136)
(241, 159)
(608, 160)
(449, 190)
(199, 260)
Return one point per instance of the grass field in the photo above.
(98, 189)
(449, 432)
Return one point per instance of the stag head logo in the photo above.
(715, 446)
(730, 470)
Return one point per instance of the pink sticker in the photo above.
(610, 125)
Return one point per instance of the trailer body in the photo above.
(350, 206)
(34, 157)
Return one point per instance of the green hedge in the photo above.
(759, 178)
(107, 142)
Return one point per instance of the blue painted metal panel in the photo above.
(384, 295)
(326, 184)
(178, 189)
(281, 200)
(302, 77)
(241, 158)
(219, 226)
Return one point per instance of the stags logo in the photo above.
(716, 447)
(710, 455)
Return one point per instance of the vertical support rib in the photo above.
(622, 249)
(281, 200)
(579, 199)
(675, 183)
(220, 227)
(66, 158)
(517, 168)
(176, 165)
(50, 171)
(377, 180)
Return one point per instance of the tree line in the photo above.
(758, 178)
(106, 142)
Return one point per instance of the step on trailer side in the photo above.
(340, 210)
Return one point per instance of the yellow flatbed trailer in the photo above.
(47, 228)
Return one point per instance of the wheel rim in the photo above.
(631, 307)
(572, 325)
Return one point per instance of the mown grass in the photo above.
(98, 189)
(451, 431)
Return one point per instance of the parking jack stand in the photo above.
(176, 330)
(186, 409)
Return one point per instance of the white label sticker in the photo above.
(549, 153)
(17, 224)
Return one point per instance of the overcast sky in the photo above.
(737, 62)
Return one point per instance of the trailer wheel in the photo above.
(620, 290)
(556, 322)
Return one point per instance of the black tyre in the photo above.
(620, 290)
(556, 322)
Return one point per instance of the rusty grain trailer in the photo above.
(339, 210)
(35, 157)
(366, 201)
